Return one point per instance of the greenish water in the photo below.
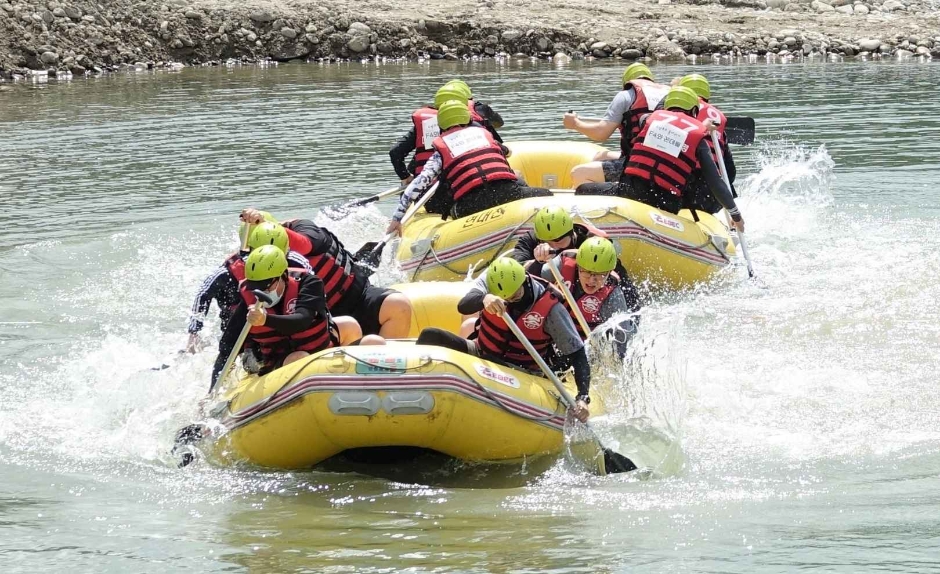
(806, 410)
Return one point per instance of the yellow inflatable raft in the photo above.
(397, 395)
(666, 250)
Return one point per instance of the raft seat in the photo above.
(548, 163)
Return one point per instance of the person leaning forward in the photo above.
(378, 310)
(554, 231)
(293, 325)
(589, 274)
(536, 307)
(472, 165)
(669, 151)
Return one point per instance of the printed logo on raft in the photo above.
(484, 217)
(380, 365)
(498, 376)
(660, 219)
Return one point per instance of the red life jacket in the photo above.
(497, 340)
(426, 129)
(335, 268)
(646, 96)
(707, 111)
(590, 305)
(272, 344)
(236, 266)
(474, 115)
(664, 151)
(471, 157)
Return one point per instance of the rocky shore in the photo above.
(90, 37)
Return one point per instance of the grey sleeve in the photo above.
(615, 303)
(561, 329)
(619, 106)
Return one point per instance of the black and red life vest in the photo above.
(334, 268)
(471, 157)
(426, 130)
(273, 345)
(707, 111)
(646, 96)
(590, 305)
(474, 114)
(664, 150)
(235, 264)
(497, 340)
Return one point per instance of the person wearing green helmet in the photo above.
(670, 151)
(589, 272)
(348, 289)
(554, 231)
(294, 321)
(424, 130)
(699, 197)
(471, 166)
(221, 285)
(640, 95)
(538, 311)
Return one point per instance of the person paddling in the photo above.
(294, 324)
(640, 95)
(348, 290)
(537, 309)
(669, 151)
(471, 163)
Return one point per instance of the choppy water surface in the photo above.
(804, 406)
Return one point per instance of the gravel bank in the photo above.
(89, 37)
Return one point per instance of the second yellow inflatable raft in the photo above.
(663, 249)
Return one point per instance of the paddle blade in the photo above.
(364, 251)
(740, 130)
(616, 462)
(370, 255)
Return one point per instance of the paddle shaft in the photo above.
(414, 209)
(372, 198)
(724, 176)
(238, 345)
(569, 297)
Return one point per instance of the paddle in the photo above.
(341, 210)
(724, 176)
(370, 254)
(569, 297)
(613, 461)
(739, 130)
(192, 433)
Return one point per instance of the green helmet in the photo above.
(265, 262)
(463, 85)
(245, 228)
(637, 71)
(552, 223)
(452, 113)
(450, 92)
(597, 255)
(698, 84)
(268, 233)
(680, 97)
(504, 277)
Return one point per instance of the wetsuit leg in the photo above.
(446, 339)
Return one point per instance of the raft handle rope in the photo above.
(426, 360)
(656, 234)
(499, 249)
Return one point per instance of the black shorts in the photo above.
(613, 169)
(367, 311)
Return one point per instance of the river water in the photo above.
(793, 422)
